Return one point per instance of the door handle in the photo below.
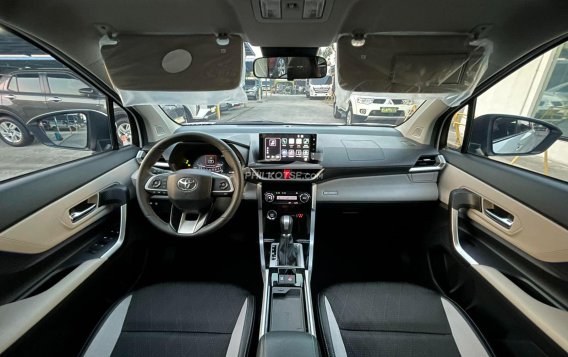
(10, 96)
(504, 219)
(462, 199)
(55, 99)
(80, 211)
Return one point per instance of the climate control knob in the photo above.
(269, 197)
(304, 197)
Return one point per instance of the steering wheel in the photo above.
(192, 192)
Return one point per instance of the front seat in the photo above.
(395, 319)
(177, 319)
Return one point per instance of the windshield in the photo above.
(320, 81)
(314, 101)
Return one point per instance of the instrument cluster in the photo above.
(196, 156)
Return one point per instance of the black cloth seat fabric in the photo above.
(394, 319)
(177, 319)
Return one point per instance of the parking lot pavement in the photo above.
(284, 108)
(536, 163)
(16, 161)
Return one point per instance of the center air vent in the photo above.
(427, 163)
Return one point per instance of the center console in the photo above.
(286, 248)
(286, 171)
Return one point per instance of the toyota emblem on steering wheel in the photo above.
(187, 184)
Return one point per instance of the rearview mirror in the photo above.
(511, 135)
(290, 68)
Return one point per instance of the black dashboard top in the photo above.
(378, 148)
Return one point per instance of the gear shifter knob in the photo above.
(287, 252)
(286, 223)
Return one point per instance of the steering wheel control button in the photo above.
(304, 197)
(271, 215)
(156, 183)
(222, 185)
(269, 197)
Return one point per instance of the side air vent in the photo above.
(426, 163)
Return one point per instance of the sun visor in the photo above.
(156, 69)
(421, 66)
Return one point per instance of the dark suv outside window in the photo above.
(50, 115)
(64, 84)
(28, 83)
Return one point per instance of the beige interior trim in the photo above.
(552, 321)
(20, 316)
(531, 232)
(51, 225)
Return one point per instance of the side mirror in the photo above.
(290, 68)
(511, 135)
(73, 129)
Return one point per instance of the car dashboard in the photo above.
(347, 164)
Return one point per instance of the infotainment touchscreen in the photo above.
(287, 147)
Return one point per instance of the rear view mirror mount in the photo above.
(290, 68)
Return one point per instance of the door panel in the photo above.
(46, 254)
(531, 232)
(552, 321)
(63, 211)
(522, 254)
(24, 314)
(52, 224)
(53, 183)
(543, 194)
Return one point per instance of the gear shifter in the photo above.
(287, 253)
